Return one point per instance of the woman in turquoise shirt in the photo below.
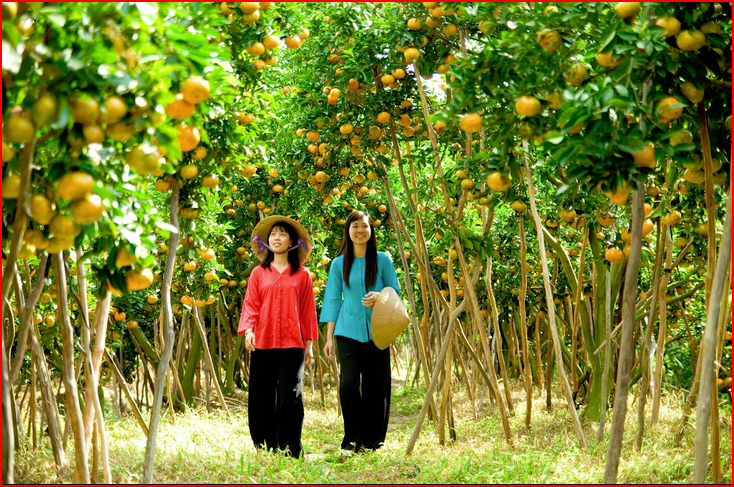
(356, 277)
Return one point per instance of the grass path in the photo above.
(209, 448)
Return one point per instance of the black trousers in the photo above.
(275, 403)
(364, 391)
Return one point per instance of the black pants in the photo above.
(364, 390)
(275, 404)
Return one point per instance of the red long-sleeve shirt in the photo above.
(280, 308)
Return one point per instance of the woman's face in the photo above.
(279, 240)
(359, 231)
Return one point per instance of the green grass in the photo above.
(199, 447)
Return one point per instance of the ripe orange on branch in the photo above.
(528, 106)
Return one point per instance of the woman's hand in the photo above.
(329, 348)
(250, 340)
(308, 353)
(369, 299)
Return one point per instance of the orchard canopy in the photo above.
(552, 181)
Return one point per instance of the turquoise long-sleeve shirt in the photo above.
(343, 305)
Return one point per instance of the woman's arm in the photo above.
(329, 347)
(250, 304)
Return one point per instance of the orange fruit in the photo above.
(528, 106)
(670, 24)
(8, 152)
(313, 136)
(249, 18)
(411, 54)
(88, 209)
(415, 24)
(549, 39)
(577, 74)
(471, 122)
(665, 110)
(672, 218)
(450, 30)
(144, 159)
(690, 40)
(162, 185)
(605, 59)
(199, 153)
(124, 258)
(93, 134)
(245, 118)
(42, 210)
(188, 137)
(35, 238)
(179, 108)
(646, 157)
(131, 325)
(710, 28)
(18, 129)
(518, 206)
(75, 185)
(137, 280)
(64, 226)
(620, 194)
(293, 42)
(195, 89)
(45, 110)
(628, 10)
(691, 92)
(84, 110)
(256, 49)
(11, 186)
(210, 181)
(346, 129)
(189, 171)
(614, 255)
(498, 182)
(647, 227)
(115, 110)
(467, 184)
(605, 220)
(189, 213)
(120, 132)
(249, 7)
(383, 117)
(271, 42)
(57, 244)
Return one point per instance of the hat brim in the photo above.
(262, 230)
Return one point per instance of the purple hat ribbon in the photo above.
(261, 245)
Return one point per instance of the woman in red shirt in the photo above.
(279, 322)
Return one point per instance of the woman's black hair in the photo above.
(347, 250)
(293, 257)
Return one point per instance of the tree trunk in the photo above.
(73, 409)
(626, 355)
(662, 329)
(524, 324)
(607, 355)
(708, 348)
(27, 317)
(20, 219)
(167, 325)
(549, 303)
(8, 436)
(209, 360)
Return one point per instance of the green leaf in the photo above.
(630, 144)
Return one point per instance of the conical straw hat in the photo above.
(389, 318)
(262, 230)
